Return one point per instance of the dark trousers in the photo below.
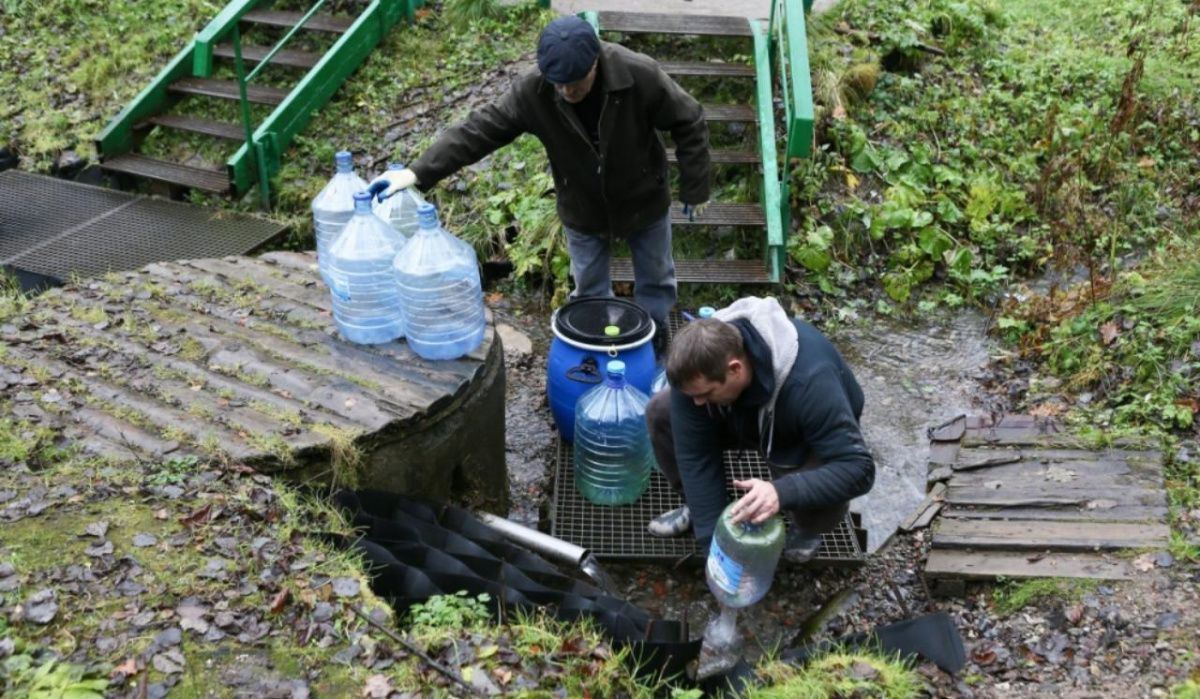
(808, 522)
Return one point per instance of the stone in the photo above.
(514, 340)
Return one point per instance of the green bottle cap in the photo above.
(611, 331)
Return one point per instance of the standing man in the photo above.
(597, 108)
(751, 377)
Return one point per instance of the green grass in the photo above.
(1012, 596)
(840, 674)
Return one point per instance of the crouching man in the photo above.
(753, 378)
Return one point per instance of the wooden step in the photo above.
(216, 181)
(317, 23)
(721, 214)
(208, 127)
(676, 23)
(228, 89)
(1041, 535)
(708, 69)
(701, 271)
(729, 112)
(724, 157)
(284, 57)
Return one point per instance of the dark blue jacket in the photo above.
(815, 421)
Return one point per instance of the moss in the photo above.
(1014, 595)
(839, 674)
(275, 445)
(89, 314)
(346, 457)
(191, 350)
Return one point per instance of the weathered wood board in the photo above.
(1020, 497)
(238, 360)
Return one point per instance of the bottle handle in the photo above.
(588, 371)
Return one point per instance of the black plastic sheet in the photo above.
(417, 549)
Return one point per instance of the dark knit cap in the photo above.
(567, 49)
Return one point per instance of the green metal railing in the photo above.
(263, 150)
(773, 202)
(789, 36)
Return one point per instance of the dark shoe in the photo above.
(800, 547)
(661, 342)
(672, 523)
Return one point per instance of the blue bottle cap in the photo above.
(362, 202)
(427, 215)
(344, 161)
(615, 368)
(707, 311)
(396, 166)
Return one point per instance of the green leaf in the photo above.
(959, 260)
(933, 242)
(898, 286)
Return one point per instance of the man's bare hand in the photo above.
(758, 504)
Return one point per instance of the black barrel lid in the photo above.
(585, 320)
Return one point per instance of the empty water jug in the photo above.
(660, 382)
(440, 290)
(400, 209)
(742, 559)
(334, 206)
(613, 457)
(366, 300)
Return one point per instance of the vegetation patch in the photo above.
(1014, 595)
(840, 674)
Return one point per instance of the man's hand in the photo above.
(758, 504)
(396, 181)
(694, 210)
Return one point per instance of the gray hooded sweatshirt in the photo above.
(800, 410)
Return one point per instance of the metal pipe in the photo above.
(562, 551)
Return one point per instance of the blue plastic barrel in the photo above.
(588, 333)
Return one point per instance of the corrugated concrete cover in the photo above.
(238, 359)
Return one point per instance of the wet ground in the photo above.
(914, 375)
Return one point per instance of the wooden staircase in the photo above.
(314, 77)
(750, 158)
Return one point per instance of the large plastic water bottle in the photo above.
(613, 457)
(400, 209)
(742, 559)
(334, 206)
(366, 300)
(660, 382)
(440, 290)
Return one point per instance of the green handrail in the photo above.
(772, 197)
(276, 132)
(225, 21)
(243, 79)
(790, 39)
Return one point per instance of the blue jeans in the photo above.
(653, 267)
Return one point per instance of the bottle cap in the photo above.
(611, 331)
(707, 311)
(616, 366)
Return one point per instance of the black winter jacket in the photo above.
(815, 422)
(625, 185)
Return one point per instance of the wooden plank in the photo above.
(1061, 494)
(1053, 478)
(1138, 456)
(1042, 535)
(988, 566)
(1117, 513)
(971, 464)
(927, 510)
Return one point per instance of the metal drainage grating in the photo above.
(620, 532)
(58, 228)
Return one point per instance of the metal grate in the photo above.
(58, 228)
(620, 532)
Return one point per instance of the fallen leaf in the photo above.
(487, 651)
(280, 600)
(502, 675)
(161, 513)
(345, 587)
(127, 668)
(169, 662)
(377, 687)
(1109, 332)
(1146, 162)
(1144, 562)
(983, 655)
